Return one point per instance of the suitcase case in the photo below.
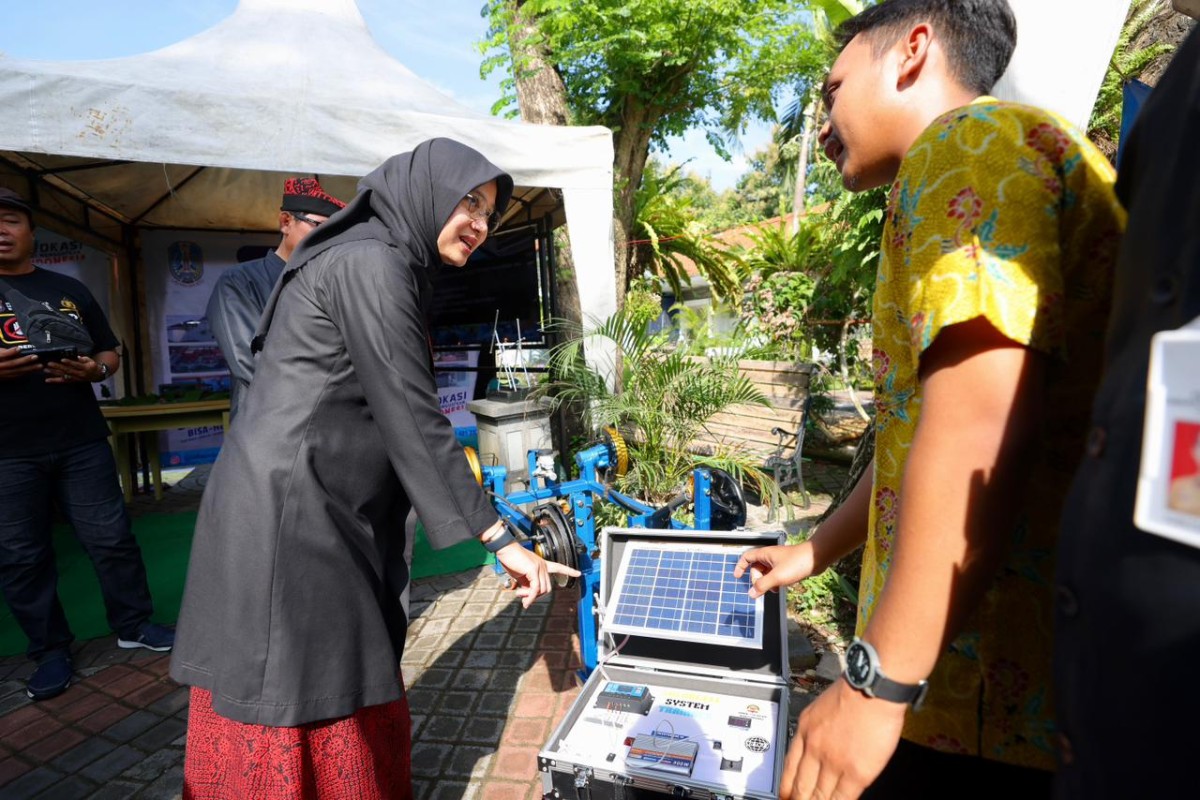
(674, 709)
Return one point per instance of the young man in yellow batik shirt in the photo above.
(990, 309)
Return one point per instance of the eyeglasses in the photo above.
(476, 210)
(316, 223)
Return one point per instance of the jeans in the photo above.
(83, 481)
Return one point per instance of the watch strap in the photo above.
(502, 540)
(887, 689)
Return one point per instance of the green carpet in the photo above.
(166, 540)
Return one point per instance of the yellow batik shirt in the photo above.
(1006, 212)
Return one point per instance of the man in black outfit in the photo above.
(1127, 622)
(53, 446)
(238, 299)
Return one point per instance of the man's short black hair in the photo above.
(978, 35)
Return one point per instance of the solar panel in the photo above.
(678, 591)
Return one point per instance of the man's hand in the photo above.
(530, 571)
(843, 741)
(775, 566)
(15, 365)
(73, 370)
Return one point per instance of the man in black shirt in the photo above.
(241, 293)
(53, 446)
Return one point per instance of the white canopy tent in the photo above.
(200, 134)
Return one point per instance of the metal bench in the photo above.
(786, 464)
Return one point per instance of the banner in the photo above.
(456, 388)
(182, 267)
(87, 265)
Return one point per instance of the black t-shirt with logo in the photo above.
(40, 417)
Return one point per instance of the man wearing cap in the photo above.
(53, 444)
(241, 293)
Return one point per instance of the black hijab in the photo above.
(404, 203)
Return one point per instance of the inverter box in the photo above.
(690, 695)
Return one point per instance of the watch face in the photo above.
(858, 665)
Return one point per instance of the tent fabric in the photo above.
(199, 134)
(1063, 50)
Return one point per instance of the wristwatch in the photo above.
(502, 539)
(863, 673)
(103, 370)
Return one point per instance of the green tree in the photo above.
(666, 399)
(667, 235)
(1128, 61)
(650, 69)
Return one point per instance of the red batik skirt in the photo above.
(361, 757)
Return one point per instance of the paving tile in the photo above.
(154, 765)
(515, 762)
(72, 787)
(117, 790)
(132, 726)
(471, 679)
(151, 692)
(505, 790)
(84, 704)
(126, 684)
(485, 659)
(459, 702)
(496, 705)
(535, 704)
(173, 702)
(447, 790)
(107, 675)
(504, 681)
(516, 659)
(443, 728)
(53, 745)
(522, 641)
(554, 641)
(461, 641)
(428, 758)
(83, 754)
(417, 720)
(160, 735)
(12, 700)
(450, 659)
(421, 701)
(464, 623)
(31, 732)
(526, 624)
(526, 731)
(420, 789)
(32, 783)
(18, 719)
(12, 768)
(483, 730)
(487, 640)
(168, 787)
(435, 678)
(467, 761)
(112, 764)
(560, 624)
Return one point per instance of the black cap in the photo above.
(11, 199)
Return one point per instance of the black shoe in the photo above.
(51, 678)
(150, 636)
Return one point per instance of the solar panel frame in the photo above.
(684, 591)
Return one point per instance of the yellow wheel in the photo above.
(473, 463)
(618, 451)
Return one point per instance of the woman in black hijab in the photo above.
(291, 629)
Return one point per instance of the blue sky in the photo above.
(434, 38)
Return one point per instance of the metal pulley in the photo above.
(554, 540)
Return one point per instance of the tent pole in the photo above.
(135, 318)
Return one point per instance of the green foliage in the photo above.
(664, 401)
(667, 235)
(672, 65)
(1127, 63)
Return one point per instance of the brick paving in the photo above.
(487, 683)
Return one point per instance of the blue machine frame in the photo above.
(580, 495)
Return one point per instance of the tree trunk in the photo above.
(799, 202)
(542, 100)
(631, 141)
